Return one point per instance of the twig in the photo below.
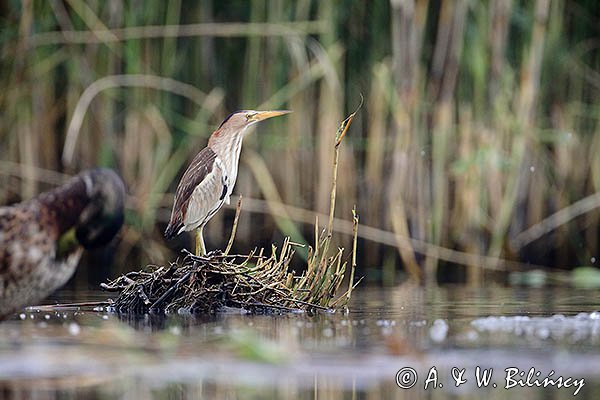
(266, 306)
(354, 245)
(234, 228)
(170, 291)
(71, 305)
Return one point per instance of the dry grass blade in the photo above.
(339, 136)
(235, 224)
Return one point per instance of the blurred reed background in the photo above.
(478, 145)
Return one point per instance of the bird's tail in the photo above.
(171, 231)
(175, 224)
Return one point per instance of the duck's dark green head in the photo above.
(102, 217)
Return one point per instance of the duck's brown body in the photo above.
(31, 264)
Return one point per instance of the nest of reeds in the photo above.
(255, 282)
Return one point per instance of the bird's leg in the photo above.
(200, 246)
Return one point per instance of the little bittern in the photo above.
(41, 240)
(209, 180)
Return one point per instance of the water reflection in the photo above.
(82, 352)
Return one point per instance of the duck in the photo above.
(42, 239)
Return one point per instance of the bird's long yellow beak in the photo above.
(262, 115)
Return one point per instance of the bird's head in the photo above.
(102, 217)
(238, 122)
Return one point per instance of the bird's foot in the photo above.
(192, 256)
(214, 253)
(187, 253)
(206, 257)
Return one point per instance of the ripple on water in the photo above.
(583, 326)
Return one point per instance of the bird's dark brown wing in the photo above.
(201, 166)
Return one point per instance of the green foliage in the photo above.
(586, 277)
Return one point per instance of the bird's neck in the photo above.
(64, 204)
(228, 150)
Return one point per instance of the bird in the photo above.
(208, 182)
(42, 239)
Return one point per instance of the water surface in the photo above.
(50, 352)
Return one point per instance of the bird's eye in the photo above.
(249, 116)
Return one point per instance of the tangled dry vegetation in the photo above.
(255, 282)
